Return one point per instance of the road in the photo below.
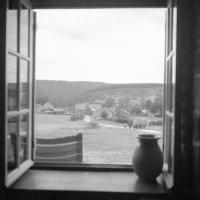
(115, 126)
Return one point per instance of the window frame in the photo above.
(24, 165)
(63, 4)
(169, 94)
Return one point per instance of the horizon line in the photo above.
(100, 81)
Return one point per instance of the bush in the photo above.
(104, 114)
(88, 111)
(139, 123)
(77, 116)
(156, 123)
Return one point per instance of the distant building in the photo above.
(146, 112)
(95, 106)
(47, 107)
(81, 106)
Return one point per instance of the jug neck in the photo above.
(148, 143)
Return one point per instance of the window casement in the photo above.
(19, 89)
(169, 92)
(17, 142)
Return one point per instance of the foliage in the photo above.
(124, 103)
(158, 104)
(155, 106)
(66, 93)
(88, 111)
(148, 105)
(121, 115)
(110, 102)
(135, 109)
(104, 114)
(77, 116)
(156, 123)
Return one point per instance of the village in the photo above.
(130, 113)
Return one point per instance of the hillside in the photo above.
(64, 93)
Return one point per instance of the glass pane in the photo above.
(12, 143)
(169, 86)
(24, 84)
(170, 31)
(173, 82)
(12, 25)
(167, 145)
(23, 138)
(171, 145)
(12, 82)
(24, 32)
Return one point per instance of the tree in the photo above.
(88, 110)
(121, 115)
(136, 109)
(124, 103)
(110, 102)
(148, 104)
(77, 116)
(155, 107)
(158, 104)
(104, 114)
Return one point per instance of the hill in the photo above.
(64, 93)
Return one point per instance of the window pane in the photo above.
(12, 82)
(12, 143)
(24, 32)
(173, 82)
(12, 25)
(169, 86)
(23, 138)
(171, 145)
(24, 84)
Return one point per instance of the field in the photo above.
(109, 143)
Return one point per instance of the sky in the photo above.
(102, 45)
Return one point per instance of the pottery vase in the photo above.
(148, 158)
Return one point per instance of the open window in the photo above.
(94, 79)
(19, 88)
(19, 102)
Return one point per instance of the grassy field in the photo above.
(102, 145)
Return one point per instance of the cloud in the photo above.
(108, 45)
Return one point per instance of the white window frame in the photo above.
(10, 177)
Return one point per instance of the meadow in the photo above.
(108, 143)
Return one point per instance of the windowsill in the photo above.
(88, 181)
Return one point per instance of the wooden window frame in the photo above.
(21, 167)
(73, 4)
(169, 94)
